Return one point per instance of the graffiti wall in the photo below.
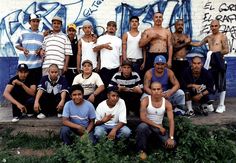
(197, 16)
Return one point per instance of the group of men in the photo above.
(73, 76)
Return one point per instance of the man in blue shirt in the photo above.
(78, 115)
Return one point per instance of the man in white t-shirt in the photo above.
(109, 46)
(111, 117)
(90, 81)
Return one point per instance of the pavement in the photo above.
(51, 125)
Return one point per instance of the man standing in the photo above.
(129, 86)
(85, 46)
(109, 46)
(159, 39)
(218, 45)
(131, 49)
(30, 44)
(181, 44)
(56, 48)
(111, 117)
(52, 94)
(20, 92)
(166, 77)
(72, 71)
(78, 115)
(152, 110)
(197, 85)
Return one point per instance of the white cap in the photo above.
(86, 22)
(34, 16)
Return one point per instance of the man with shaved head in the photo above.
(218, 45)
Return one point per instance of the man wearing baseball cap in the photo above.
(29, 45)
(72, 65)
(160, 73)
(20, 92)
(56, 48)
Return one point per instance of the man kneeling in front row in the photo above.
(152, 110)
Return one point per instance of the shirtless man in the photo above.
(218, 44)
(159, 39)
(181, 46)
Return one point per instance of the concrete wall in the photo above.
(197, 15)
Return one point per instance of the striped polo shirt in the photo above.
(56, 46)
(32, 41)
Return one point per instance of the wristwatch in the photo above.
(172, 137)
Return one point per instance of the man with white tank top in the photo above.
(152, 110)
(85, 46)
(131, 49)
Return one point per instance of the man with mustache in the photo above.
(170, 85)
(181, 46)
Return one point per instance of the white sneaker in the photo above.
(15, 119)
(59, 115)
(41, 116)
(210, 108)
(30, 115)
(220, 109)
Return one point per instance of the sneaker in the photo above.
(210, 108)
(190, 113)
(30, 115)
(220, 109)
(59, 115)
(143, 155)
(15, 119)
(41, 116)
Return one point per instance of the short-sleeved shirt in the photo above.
(119, 112)
(18, 91)
(79, 114)
(89, 84)
(110, 59)
(53, 88)
(32, 41)
(130, 82)
(56, 47)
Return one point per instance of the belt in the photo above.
(134, 60)
(180, 59)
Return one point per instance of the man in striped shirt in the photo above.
(129, 87)
(56, 48)
(29, 43)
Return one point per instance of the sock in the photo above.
(222, 98)
(189, 105)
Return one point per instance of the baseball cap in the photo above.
(22, 67)
(34, 16)
(126, 62)
(58, 18)
(113, 23)
(87, 61)
(73, 26)
(160, 59)
(86, 22)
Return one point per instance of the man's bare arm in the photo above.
(225, 45)
(145, 39)
(204, 41)
(173, 81)
(170, 116)
(147, 82)
(124, 46)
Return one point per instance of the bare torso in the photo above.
(178, 40)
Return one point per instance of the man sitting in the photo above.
(129, 86)
(51, 94)
(111, 117)
(197, 85)
(166, 77)
(78, 115)
(152, 110)
(20, 92)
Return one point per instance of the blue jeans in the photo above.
(103, 130)
(178, 98)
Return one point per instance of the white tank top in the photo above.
(156, 114)
(133, 50)
(88, 53)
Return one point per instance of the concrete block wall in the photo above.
(197, 15)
